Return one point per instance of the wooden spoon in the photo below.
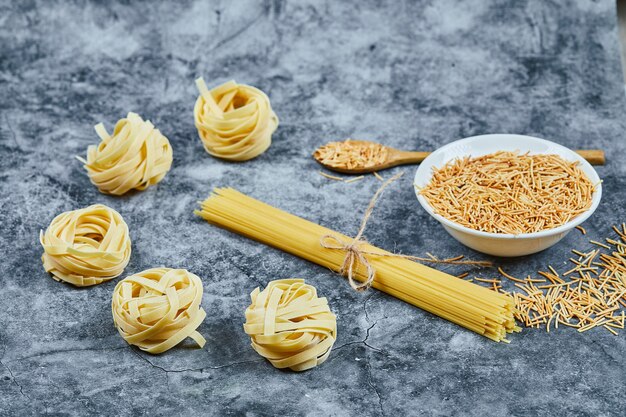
(397, 157)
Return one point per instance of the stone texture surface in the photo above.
(414, 75)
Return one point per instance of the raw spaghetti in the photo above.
(469, 305)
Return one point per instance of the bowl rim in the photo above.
(595, 200)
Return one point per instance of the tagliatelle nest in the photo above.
(234, 121)
(86, 246)
(158, 308)
(290, 325)
(505, 192)
(134, 157)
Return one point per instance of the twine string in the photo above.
(355, 254)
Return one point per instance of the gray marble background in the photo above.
(414, 75)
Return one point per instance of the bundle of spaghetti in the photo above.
(234, 121)
(290, 325)
(134, 157)
(589, 295)
(86, 246)
(351, 154)
(158, 308)
(506, 192)
(461, 302)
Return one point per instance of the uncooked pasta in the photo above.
(351, 154)
(135, 156)
(469, 305)
(290, 325)
(158, 308)
(86, 246)
(234, 121)
(591, 294)
(505, 192)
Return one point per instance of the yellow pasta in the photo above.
(136, 156)
(87, 246)
(469, 305)
(234, 121)
(290, 325)
(158, 308)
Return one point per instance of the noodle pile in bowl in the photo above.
(509, 192)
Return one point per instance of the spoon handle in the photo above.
(593, 156)
(406, 157)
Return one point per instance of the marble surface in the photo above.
(412, 74)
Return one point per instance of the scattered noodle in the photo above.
(490, 281)
(506, 192)
(332, 177)
(510, 277)
(592, 296)
(582, 230)
(599, 244)
(355, 179)
(351, 154)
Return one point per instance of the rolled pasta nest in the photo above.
(290, 325)
(135, 157)
(234, 121)
(158, 308)
(86, 246)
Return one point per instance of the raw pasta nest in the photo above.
(234, 121)
(86, 246)
(290, 325)
(136, 156)
(158, 308)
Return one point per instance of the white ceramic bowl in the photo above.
(494, 243)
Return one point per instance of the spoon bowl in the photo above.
(394, 158)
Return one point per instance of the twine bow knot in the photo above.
(354, 256)
(354, 253)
